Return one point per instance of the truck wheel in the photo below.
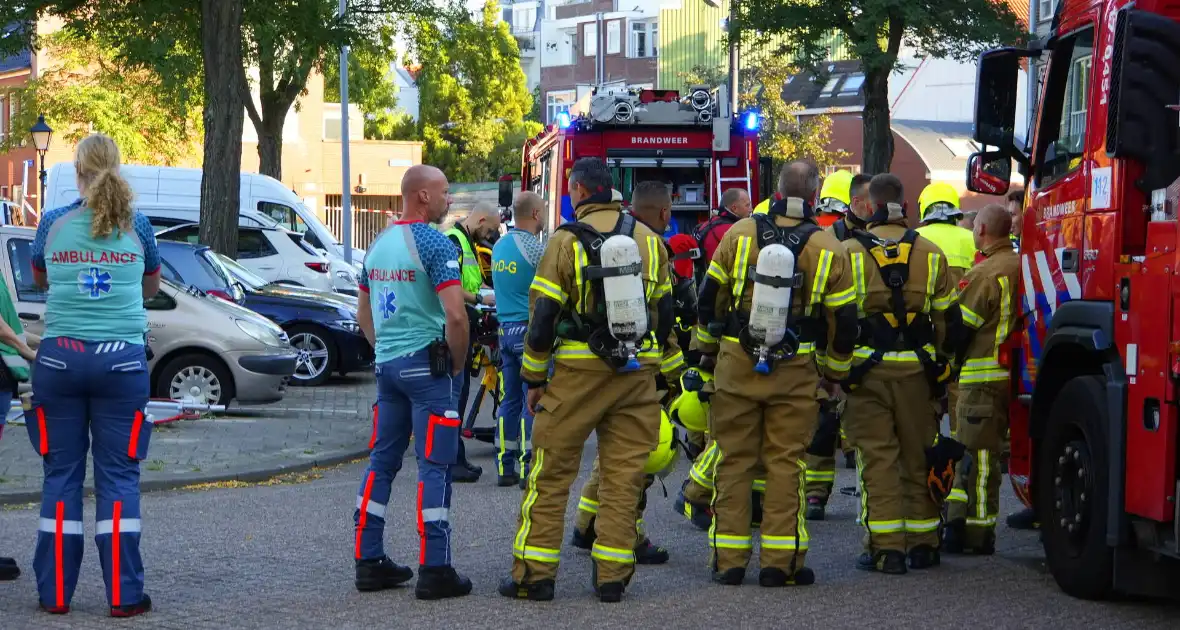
(1071, 490)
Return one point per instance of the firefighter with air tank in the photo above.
(601, 307)
(771, 283)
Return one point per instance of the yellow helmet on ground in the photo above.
(689, 410)
(836, 193)
(938, 201)
(662, 458)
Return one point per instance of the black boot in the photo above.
(440, 583)
(465, 472)
(8, 570)
(380, 574)
(1024, 519)
(534, 591)
(924, 557)
(611, 592)
(730, 577)
(131, 610)
(774, 577)
(584, 540)
(699, 515)
(507, 480)
(648, 553)
(816, 509)
(981, 545)
(888, 561)
(954, 536)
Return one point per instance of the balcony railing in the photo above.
(526, 41)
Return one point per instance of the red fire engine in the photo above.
(694, 144)
(1095, 364)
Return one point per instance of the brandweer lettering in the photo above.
(659, 140)
(391, 275)
(96, 258)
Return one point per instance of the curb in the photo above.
(244, 474)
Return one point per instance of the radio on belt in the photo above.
(771, 302)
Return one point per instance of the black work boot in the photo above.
(816, 509)
(8, 570)
(648, 553)
(980, 544)
(584, 539)
(533, 591)
(440, 583)
(773, 577)
(699, 515)
(611, 592)
(888, 561)
(380, 574)
(465, 472)
(507, 480)
(132, 610)
(1024, 519)
(924, 557)
(730, 577)
(954, 536)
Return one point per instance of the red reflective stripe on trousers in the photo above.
(360, 523)
(133, 445)
(58, 553)
(373, 439)
(44, 430)
(421, 526)
(116, 515)
(446, 422)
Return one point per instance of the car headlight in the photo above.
(263, 334)
(350, 325)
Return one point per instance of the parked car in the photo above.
(322, 326)
(204, 348)
(344, 276)
(274, 254)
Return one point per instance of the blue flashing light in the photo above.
(563, 120)
(751, 121)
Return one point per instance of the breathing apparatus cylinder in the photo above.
(622, 289)
(771, 304)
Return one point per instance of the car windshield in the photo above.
(240, 273)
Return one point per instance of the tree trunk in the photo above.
(270, 147)
(221, 49)
(877, 134)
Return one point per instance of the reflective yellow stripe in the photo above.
(588, 505)
(819, 283)
(840, 298)
(533, 364)
(759, 486)
(717, 272)
(580, 262)
(726, 541)
(991, 376)
(539, 554)
(520, 546)
(943, 303)
(741, 265)
(612, 554)
(932, 260)
(957, 494)
(837, 365)
(653, 258)
(702, 469)
(672, 363)
(903, 356)
(922, 526)
(1005, 314)
(886, 527)
(858, 281)
(821, 475)
(969, 317)
(800, 515)
(783, 542)
(863, 513)
(982, 522)
(551, 289)
(703, 335)
(983, 469)
(807, 347)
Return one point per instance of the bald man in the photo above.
(987, 297)
(514, 263)
(409, 300)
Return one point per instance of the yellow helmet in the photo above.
(938, 201)
(661, 460)
(836, 193)
(763, 207)
(689, 410)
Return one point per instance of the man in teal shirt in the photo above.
(514, 263)
(16, 355)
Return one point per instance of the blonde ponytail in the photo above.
(107, 194)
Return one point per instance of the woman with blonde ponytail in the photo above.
(99, 261)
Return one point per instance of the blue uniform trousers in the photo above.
(514, 432)
(410, 401)
(84, 390)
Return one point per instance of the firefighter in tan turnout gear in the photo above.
(988, 303)
(600, 305)
(908, 314)
(772, 281)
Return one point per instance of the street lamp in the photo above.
(42, 134)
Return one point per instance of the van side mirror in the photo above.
(505, 191)
(995, 96)
(989, 173)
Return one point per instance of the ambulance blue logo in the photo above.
(94, 281)
(387, 303)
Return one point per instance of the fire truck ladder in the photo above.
(721, 180)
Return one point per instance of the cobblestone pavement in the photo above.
(279, 556)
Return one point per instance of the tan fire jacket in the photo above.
(987, 299)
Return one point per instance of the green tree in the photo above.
(875, 31)
(783, 135)
(87, 89)
(371, 86)
(472, 93)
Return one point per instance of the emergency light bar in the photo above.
(750, 121)
(563, 120)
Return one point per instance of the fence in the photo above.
(370, 215)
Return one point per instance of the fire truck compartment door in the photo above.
(653, 162)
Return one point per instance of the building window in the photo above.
(559, 102)
(590, 40)
(851, 168)
(644, 39)
(613, 38)
(1045, 9)
(852, 84)
(830, 86)
(524, 20)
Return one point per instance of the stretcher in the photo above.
(157, 411)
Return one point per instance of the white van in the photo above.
(165, 186)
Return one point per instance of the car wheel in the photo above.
(317, 354)
(197, 377)
(1071, 487)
